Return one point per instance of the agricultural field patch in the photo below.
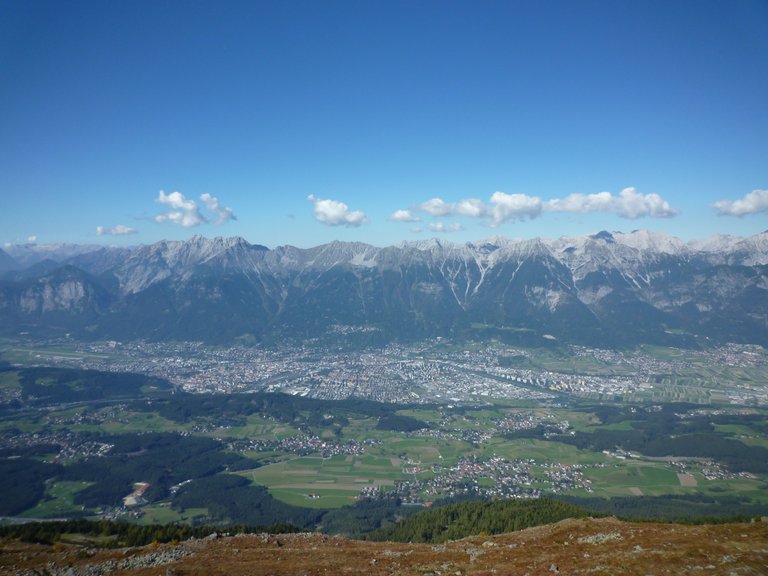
(164, 514)
(337, 481)
(58, 501)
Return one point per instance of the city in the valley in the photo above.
(412, 423)
(431, 371)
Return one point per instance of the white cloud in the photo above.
(503, 207)
(225, 214)
(439, 207)
(335, 213)
(753, 203)
(404, 216)
(182, 211)
(185, 212)
(176, 200)
(628, 204)
(32, 239)
(118, 230)
(436, 207)
(510, 207)
(582, 203)
(470, 207)
(443, 227)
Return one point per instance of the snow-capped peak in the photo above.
(646, 240)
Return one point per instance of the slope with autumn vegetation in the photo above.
(574, 546)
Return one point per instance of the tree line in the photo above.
(456, 521)
(109, 534)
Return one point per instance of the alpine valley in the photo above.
(607, 289)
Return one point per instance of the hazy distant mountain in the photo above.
(603, 289)
(7, 262)
(28, 254)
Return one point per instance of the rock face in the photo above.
(604, 289)
(50, 294)
(589, 546)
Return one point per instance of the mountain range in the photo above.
(606, 289)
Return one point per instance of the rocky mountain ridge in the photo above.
(607, 288)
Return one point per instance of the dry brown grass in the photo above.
(592, 546)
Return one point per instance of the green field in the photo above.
(132, 422)
(17, 354)
(541, 451)
(9, 382)
(164, 514)
(26, 423)
(336, 481)
(58, 502)
(423, 451)
(257, 426)
(634, 479)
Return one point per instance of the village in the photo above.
(493, 477)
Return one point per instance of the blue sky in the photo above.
(303, 122)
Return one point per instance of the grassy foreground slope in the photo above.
(577, 546)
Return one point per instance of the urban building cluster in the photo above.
(423, 372)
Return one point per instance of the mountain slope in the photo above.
(607, 289)
(585, 546)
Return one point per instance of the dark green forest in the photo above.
(184, 407)
(686, 508)
(234, 500)
(110, 534)
(45, 385)
(659, 431)
(158, 458)
(455, 521)
(22, 483)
